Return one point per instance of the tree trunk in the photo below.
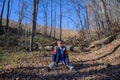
(46, 16)
(54, 19)
(104, 15)
(22, 7)
(1, 15)
(97, 20)
(51, 18)
(8, 13)
(60, 19)
(45, 7)
(87, 21)
(19, 16)
(26, 31)
(35, 7)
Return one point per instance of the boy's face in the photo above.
(60, 44)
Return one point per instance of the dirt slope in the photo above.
(40, 29)
(103, 64)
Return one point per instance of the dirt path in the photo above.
(103, 64)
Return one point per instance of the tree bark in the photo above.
(1, 15)
(51, 18)
(45, 8)
(104, 15)
(54, 36)
(87, 21)
(60, 19)
(21, 14)
(8, 13)
(33, 29)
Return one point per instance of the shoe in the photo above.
(48, 69)
(71, 68)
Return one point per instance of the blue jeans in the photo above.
(55, 59)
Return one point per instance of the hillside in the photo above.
(40, 29)
(103, 64)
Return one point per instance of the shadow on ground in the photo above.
(39, 73)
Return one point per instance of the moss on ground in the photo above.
(42, 39)
(10, 58)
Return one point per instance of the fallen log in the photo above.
(69, 48)
(49, 48)
(102, 41)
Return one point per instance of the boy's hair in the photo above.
(60, 41)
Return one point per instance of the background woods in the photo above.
(93, 19)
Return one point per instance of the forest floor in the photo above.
(102, 64)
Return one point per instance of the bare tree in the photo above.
(87, 24)
(51, 19)
(8, 13)
(33, 29)
(21, 13)
(78, 6)
(104, 15)
(97, 19)
(60, 19)
(1, 14)
(45, 11)
(113, 8)
(55, 6)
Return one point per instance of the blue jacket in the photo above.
(57, 56)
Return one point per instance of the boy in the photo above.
(60, 54)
